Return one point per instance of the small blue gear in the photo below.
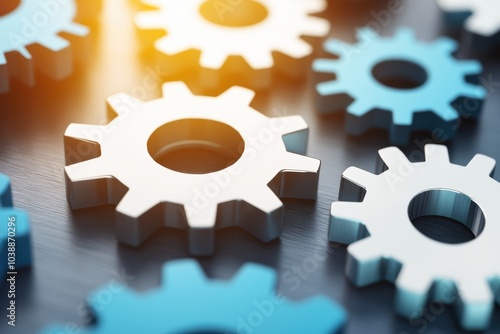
(19, 224)
(189, 302)
(443, 97)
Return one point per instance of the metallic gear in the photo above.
(440, 100)
(479, 17)
(238, 195)
(393, 249)
(190, 302)
(187, 29)
(15, 225)
(29, 39)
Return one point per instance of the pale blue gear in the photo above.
(32, 23)
(188, 301)
(427, 107)
(22, 237)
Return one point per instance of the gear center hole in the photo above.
(399, 74)
(446, 216)
(234, 13)
(195, 146)
(8, 6)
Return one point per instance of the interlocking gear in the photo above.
(479, 17)
(237, 195)
(15, 232)
(223, 46)
(391, 248)
(29, 39)
(190, 302)
(442, 98)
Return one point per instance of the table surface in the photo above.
(76, 251)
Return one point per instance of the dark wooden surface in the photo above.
(76, 252)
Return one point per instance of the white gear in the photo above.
(29, 39)
(285, 23)
(243, 194)
(374, 214)
(482, 20)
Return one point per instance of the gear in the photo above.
(29, 39)
(479, 17)
(15, 225)
(224, 44)
(441, 97)
(237, 195)
(393, 249)
(189, 302)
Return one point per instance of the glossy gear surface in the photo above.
(29, 40)
(189, 302)
(244, 194)
(280, 31)
(384, 244)
(438, 103)
(22, 231)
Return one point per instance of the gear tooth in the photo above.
(473, 91)
(469, 67)
(24, 52)
(314, 6)
(413, 287)
(482, 164)
(182, 275)
(240, 95)
(301, 163)
(402, 117)
(315, 26)
(85, 132)
(259, 61)
(358, 108)
(250, 273)
(346, 224)
(365, 262)
(475, 305)
(326, 65)
(213, 58)
(446, 45)
(393, 158)
(476, 24)
(77, 29)
(436, 153)
(332, 87)
(360, 177)
(87, 170)
(296, 48)
(121, 104)
(337, 47)
(152, 19)
(171, 45)
(201, 230)
(405, 34)
(176, 89)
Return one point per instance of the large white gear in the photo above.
(245, 194)
(280, 31)
(374, 216)
(29, 40)
(479, 17)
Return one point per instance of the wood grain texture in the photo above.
(76, 252)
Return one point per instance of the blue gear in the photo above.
(434, 105)
(22, 231)
(188, 301)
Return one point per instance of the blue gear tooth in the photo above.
(423, 108)
(214, 305)
(22, 229)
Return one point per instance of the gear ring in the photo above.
(479, 18)
(392, 249)
(236, 195)
(243, 50)
(29, 39)
(13, 221)
(427, 107)
(189, 302)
